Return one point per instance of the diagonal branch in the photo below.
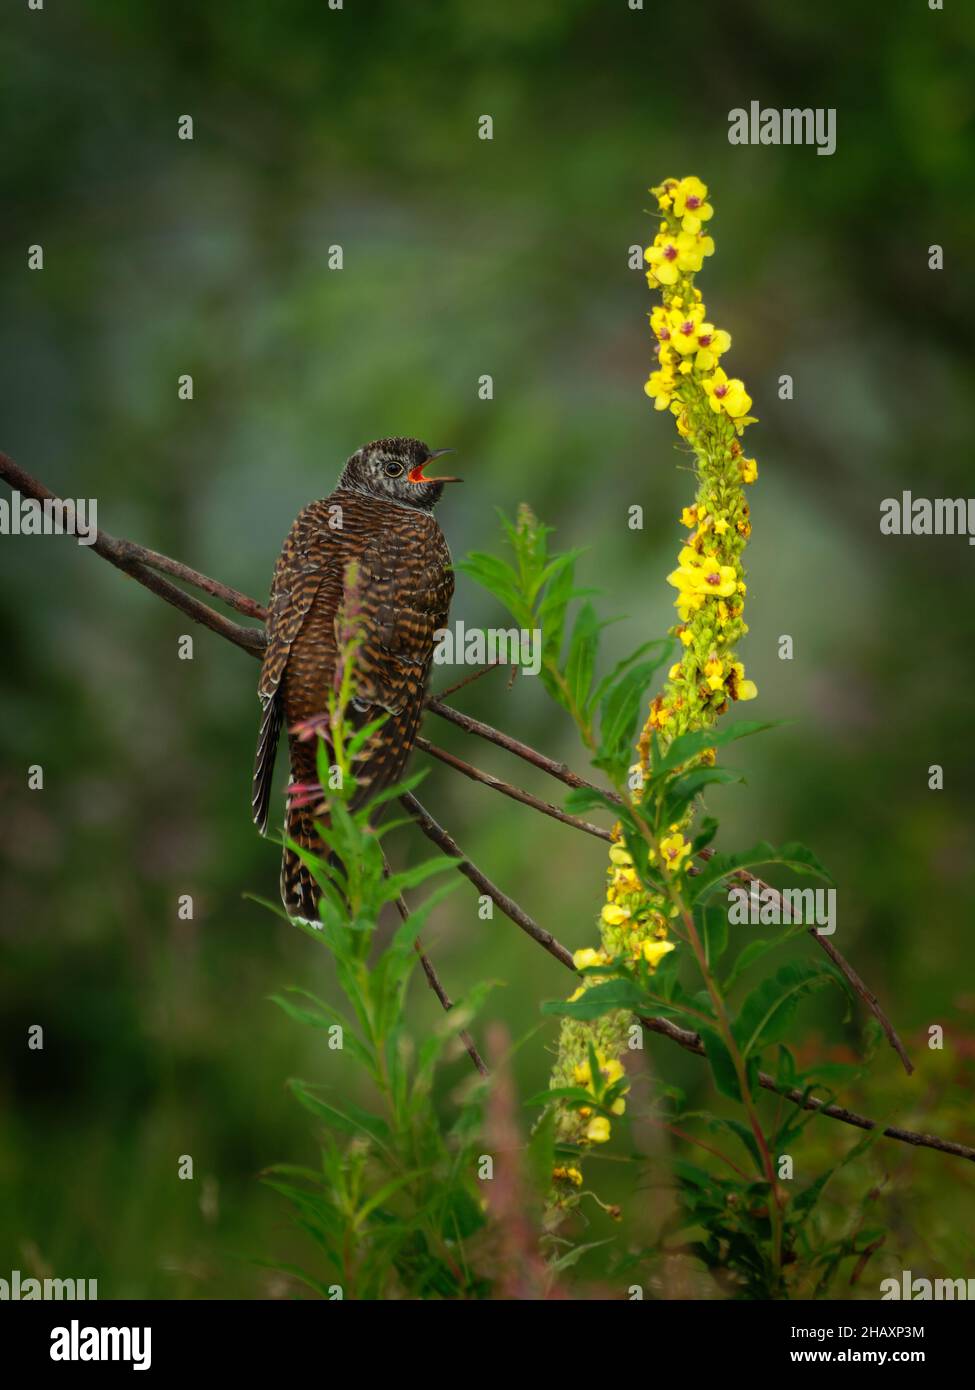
(690, 1042)
(433, 980)
(507, 789)
(138, 562)
(508, 906)
(522, 750)
(839, 960)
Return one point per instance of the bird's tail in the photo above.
(299, 891)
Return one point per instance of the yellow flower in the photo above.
(688, 517)
(618, 855)
(748, 469)
(654, 952)
(611, 1070)
(711, 343)
(740, 688)
(690, 204)
(587, 957)
(698, 575)
(684, 327)
(674, 849)
(613, 915)
(660, 322)
(669, 255)
(660, 386)
(598, 1130)
(727, 394)
(714, 673)
(721, 526)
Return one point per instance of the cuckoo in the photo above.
(377, 531)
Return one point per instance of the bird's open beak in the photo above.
(416, 475)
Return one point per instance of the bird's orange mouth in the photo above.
(416, 475)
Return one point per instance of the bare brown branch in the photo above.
(690, 1042)
(508, 906)
(839, 960)
(507, 789)
(521, 750)
(134, 561)
(433, 980)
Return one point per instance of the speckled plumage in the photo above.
(403, 590)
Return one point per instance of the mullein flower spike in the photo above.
(711, 412)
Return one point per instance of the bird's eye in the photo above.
(393, 470)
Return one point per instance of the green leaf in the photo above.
(498, 578)
(324, 1016)
(713, 925)
(721, 1064)
(681, 791)
(721, 866)
(803, 1203)
(662, 649)
(574, 1093)
(352, 1120)
(388, 1190)
(552, 610)
(576, 1253)
(687, 746)
(583, 645)
(767, 1013)
(755, 950)
(597, 1000)
(620, 710)
(553, 572)
(741, 1132)
(585, 798)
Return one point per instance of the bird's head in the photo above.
(394, 469)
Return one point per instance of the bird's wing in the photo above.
(304, 564)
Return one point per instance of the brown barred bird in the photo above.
(381, 517)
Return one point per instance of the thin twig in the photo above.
(507, 789)
(508, 906)
(433, 980)
(468, 680)
(522, 750)
(839, 960)
(690, 1042)
(233, 598)
(123, 554)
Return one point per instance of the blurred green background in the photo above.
(461, 257)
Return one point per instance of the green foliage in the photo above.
(537, 591)
(749, 1232)
(395, 1198)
